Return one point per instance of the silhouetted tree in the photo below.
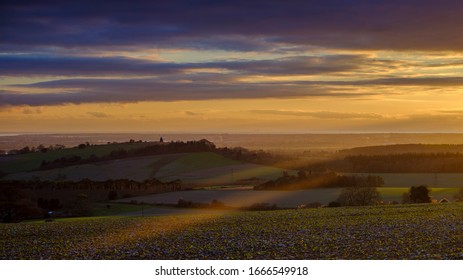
(334, 204)
(359, 196)
(24, 150)
(81, 205)
(419, 194)
(15, 205)
(49, 204)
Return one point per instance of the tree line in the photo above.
(155, 149)
(17, 197)
(152, 185)
(408, 162)
(238, 153)
(306, 180)
(404, 148)
(40, 148)
(369, 195)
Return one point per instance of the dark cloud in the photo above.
(420, 81)
(16, 65)
(77, 91)
(197, 87)
(298, 65)
(238, 24)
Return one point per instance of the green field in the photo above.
(114, 209)
(31, 161)
(286, 199)
(427, 231)
(204, 168)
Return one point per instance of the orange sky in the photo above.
(349, 73)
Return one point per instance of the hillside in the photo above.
(33, 160)
(203, 168)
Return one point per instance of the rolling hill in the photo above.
(32, 161)
(200, 168)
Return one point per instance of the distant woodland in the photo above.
(238, 153)
(407, 158)
(403, 158)
(304, 180)
(404, 148)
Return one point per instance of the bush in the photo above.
(418, 194)
(334, 204)
(15, 205)
(261, 207)
(359, 196)
(217, 204)
(81, 205)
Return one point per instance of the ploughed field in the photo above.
(427, 231)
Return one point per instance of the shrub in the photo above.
(359, 196)
(334, 204)
(15, 205)
(419, 194)
(261, 207)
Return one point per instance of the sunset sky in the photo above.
(231, 66)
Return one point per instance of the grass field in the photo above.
(194, 168)
(114, 209)
(431, 231)
(31, 161)
(287, 199)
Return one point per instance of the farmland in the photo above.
(286, 199)
(31, 161)
(381, 232)
(197, 168)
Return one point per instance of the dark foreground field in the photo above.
(382, 232)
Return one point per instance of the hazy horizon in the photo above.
(272, 142)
